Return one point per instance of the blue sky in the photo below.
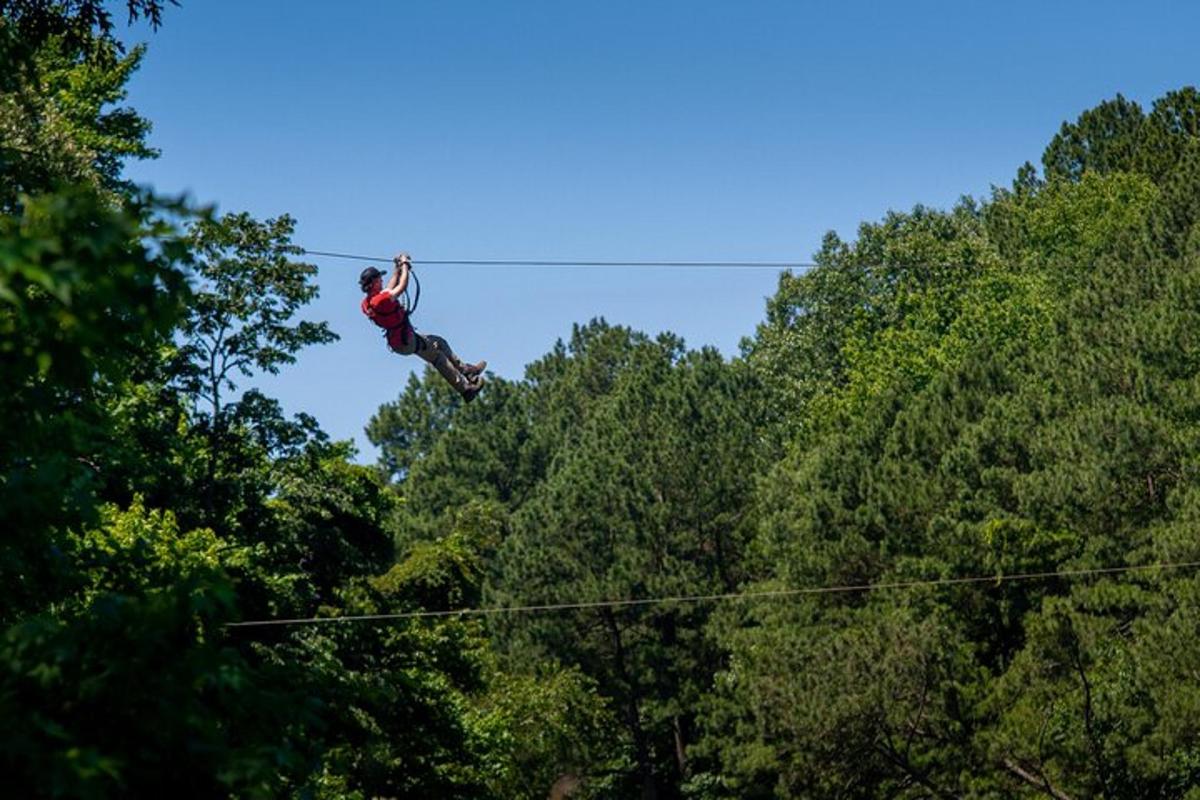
(607, 130)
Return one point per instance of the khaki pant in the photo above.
(436, 351)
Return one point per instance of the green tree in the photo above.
(116, 662)
(1064, 452)
(58, 127)
(76, 310)
(646, 498)
(444, 455)
(241, 320)
(1104, 139)
(88, 287)
(139, 648)
(818, 320)
(241, 317)
(77, 22)
(549, 730)
(1035, 416)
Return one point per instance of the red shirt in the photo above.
(386, 312)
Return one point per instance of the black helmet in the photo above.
(368, 277)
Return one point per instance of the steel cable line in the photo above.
(515, 262)
(701, 598)
(801, 266)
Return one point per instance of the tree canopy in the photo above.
(1006, 387)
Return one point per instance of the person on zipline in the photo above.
(385, 310)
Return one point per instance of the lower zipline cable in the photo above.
(702, 598)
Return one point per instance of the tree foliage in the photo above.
(1008, 387)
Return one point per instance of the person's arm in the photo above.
(399, 280)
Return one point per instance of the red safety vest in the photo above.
(386, 312)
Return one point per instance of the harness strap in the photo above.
(404, 326)
(416, 295)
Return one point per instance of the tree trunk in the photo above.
(680, 746)
(641, 748)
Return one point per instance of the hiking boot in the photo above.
(473, 388)
(471, 370)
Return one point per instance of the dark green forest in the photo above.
(1008, 386)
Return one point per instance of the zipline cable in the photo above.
(800, 266)
(702, 598)
(512, 262)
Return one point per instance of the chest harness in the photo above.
(397, 319)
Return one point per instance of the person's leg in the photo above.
(470, 370)
(437, 351)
